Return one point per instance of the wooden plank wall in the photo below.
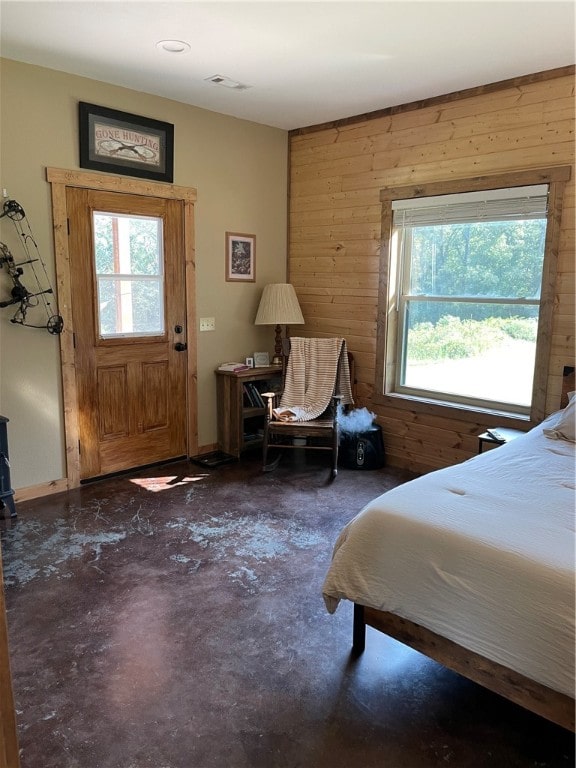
(336, 172)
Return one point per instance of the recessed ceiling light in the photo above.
(173, 46)
(227, 82)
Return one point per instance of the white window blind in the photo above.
(513, 204)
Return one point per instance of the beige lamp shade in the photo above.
(279, 306)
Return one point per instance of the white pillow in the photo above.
(565, 426)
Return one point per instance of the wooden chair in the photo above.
(319, 434)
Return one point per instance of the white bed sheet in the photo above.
(481, 553)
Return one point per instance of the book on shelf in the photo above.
(246, 399)
(235, 367)
(249, 398)
(256, 397)
(251, 395)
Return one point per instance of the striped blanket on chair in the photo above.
(316, 369)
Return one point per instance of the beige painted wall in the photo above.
(239, 170)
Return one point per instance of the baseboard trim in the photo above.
(210, 448)
(43, 489)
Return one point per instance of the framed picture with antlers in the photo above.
(119, 142)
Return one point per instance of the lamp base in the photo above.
(277, 345)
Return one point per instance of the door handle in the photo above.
(180, 346)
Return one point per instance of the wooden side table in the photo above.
(241, 422)
(497, 436)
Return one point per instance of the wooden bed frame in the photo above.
(535, 697)
(539, 699)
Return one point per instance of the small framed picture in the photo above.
(261, 359)
(240, 257)
(250, 362)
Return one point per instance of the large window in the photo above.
(464, 301)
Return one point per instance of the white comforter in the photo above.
(481, 553)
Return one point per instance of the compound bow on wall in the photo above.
(20, 295)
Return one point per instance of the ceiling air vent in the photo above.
(227, 82)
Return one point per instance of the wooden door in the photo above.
(129, 319)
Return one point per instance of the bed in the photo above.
(473, 565)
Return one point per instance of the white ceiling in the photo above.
(306, 62)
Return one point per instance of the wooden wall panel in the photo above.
(336, 173)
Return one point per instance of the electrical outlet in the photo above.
(207, 323)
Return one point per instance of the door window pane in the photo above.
(129, 261)
(130, 307)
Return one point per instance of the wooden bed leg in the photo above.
(358, 631)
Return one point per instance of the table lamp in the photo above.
(279, 306)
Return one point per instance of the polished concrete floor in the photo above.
(174, 619)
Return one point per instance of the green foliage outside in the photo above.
(489, 258)
(453, 338)
(143, 236)
(477, 260)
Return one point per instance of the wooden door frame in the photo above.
(60, 180)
